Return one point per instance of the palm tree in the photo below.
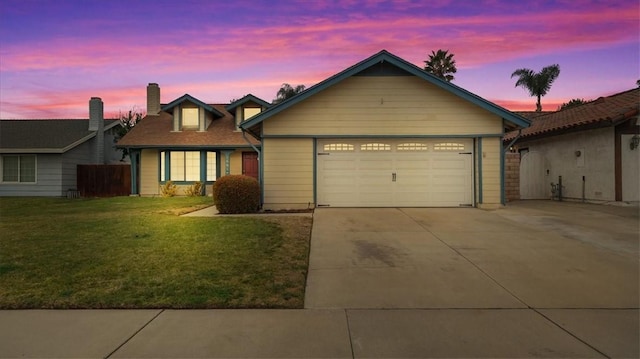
(441, 64)
(538, 84)
(287, 91)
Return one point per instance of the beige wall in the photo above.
(288, 173)
(366, 106)
(149, 169)
(388, 105)
(491, 175)
(236, 163)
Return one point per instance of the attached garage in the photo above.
(409, 172)
(382, 133)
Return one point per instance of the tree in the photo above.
(441, 64)
(538, 84)
(127, 120)
(287, 91)
(638, 83)
(572, 103)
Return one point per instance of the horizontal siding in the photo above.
(48, 172)
(391, 105)
(491, 148)
(149, 167)
(288, 173)
(70, 162)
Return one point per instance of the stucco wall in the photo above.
(596, 163)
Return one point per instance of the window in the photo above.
(212, 172)
(190, 117)
(338, 147)
(412, 146)
(448, 146)
(19, 168)
(250, 112)
(375, 147)
(185, 166)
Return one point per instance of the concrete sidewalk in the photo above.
(318, 333)
(536, 279)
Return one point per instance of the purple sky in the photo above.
(56, 55)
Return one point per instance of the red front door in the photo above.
(250, 164)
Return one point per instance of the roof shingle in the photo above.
(157, 131)
(44, 134)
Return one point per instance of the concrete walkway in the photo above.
(536, 279)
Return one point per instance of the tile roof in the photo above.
(37, 136)
(157, 131)
(605, 111)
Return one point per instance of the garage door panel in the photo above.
(455, 163)
(424, 176)
(340, 164)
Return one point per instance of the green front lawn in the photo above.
(129, 252)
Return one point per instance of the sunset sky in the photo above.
(56, 55)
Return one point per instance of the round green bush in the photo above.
(236, 194)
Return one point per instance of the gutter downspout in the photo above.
(513, 141)
(503, 191)
(244, 136)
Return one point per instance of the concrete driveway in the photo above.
(533, 280)
(535, 270)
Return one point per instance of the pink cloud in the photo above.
(217, 64)
(472, 38)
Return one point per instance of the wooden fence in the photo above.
(104, 180)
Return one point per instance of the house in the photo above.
(382, 133)
(593, 147)
(187, 141)
(40, 157)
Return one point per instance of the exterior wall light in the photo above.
(635, 141)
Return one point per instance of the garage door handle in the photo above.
(393, 177)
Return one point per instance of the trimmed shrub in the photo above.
(194, 190)
(236, 194)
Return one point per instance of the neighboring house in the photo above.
(188, 141)
(40, 157)
(594, 147)
(382, 133)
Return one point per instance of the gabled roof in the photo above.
(46, 136)
(605, 111)
(248, 98)
(189, 98)
(157, 132)
(386, 57)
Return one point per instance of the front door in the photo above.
(250, 164)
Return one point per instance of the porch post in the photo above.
(134, 155)
(203, 172)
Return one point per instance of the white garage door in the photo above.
(395, 173)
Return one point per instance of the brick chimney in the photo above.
(96, 123)
(153, 99)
